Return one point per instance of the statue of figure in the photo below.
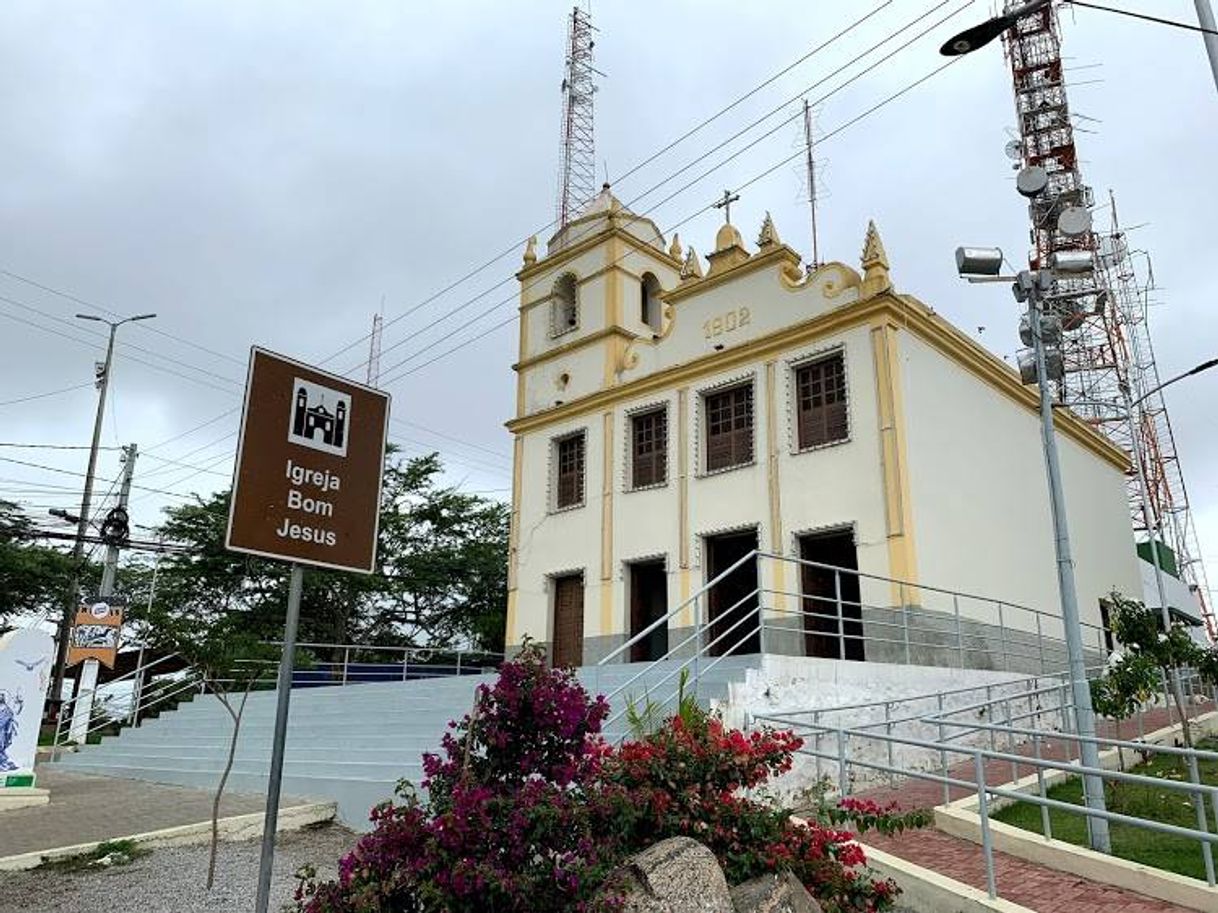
(9, 711)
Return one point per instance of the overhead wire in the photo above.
(393, 378)
(34, 396)
(515, 246)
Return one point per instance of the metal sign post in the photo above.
(306, 489)
(284, 687)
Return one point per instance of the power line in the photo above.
(26, 399)
(393, 378)
(92, 344)
(515, 246)
(152, 328)
(54, 446)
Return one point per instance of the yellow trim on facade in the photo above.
(574, 345)
(557, 259)
(780, 255)
(772, 482)
(894, 464)
(580, 281)
(907, 312)
(514, 535)
(607, 626)
(683, 499)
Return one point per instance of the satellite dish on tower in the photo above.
(1074, 221)
(1014, 150)
(1031, 180)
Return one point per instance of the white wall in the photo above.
(980, 497)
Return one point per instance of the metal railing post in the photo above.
(983, 808)
(1011, 740)
(819, 760)
(346, 658)
(905, 621)
(1046, 822)
(1002, 640)
(892, 773)
(959, 630)
(947, 789)
(460, 653)
(1167, 698)
(1061, 706)
(989, 710)
(1040, 644)
(841, 618)
(843, 762)
(1207, 852)
(760, 627)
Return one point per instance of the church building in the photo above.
(673, 418)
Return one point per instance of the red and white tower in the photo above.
(1110, 374)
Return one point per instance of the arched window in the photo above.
(649, 302)
(564, 309)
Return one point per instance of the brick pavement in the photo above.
(1028, 884)
(89, 809)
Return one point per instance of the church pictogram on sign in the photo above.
(319, 418)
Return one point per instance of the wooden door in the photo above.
(568, 649)
(648, 603)
(733, 600)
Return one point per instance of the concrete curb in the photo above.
(926, 891)
(15, 797)
(233, 828)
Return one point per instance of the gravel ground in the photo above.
(171, 880)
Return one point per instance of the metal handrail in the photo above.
(663, 620)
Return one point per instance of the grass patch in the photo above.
(1163, 851)
(105, 854)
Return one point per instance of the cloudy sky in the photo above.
(272, 172)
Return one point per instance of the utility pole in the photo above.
(82, 523)
(87, 683)
(1035, 285)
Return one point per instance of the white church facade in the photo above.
(671, 419)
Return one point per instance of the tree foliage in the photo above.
(441, 577)
(33, 577)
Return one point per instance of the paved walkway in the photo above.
(1028, 884)
(88, 809)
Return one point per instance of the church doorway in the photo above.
(731, 601)
(827, 592)
(648, 603)
(568, 648)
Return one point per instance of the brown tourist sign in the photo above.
(307, 484)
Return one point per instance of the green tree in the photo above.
(441, 578)
(33, 577)
(1140, 631)
(1127, 683)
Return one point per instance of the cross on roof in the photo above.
(726, 205)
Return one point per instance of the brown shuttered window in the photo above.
(820, 389)
(649, 448)
(570, 472)
(729, 428)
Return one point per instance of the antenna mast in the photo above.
(808, 148)
(1106, 347)
(374, 350)
(577, 177)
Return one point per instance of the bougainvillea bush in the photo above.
(528, 809)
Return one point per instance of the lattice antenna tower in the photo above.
(577, 169)
(374, 350)
(1106, 347)
(810, 164)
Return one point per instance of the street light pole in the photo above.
(1205, 18)
(1093, 786)
(82, 524)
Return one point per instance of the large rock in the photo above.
(774, 894)
(678, 875)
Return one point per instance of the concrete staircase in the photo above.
(348, 744)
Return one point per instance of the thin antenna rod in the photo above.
(809, 148)
(374, 348)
